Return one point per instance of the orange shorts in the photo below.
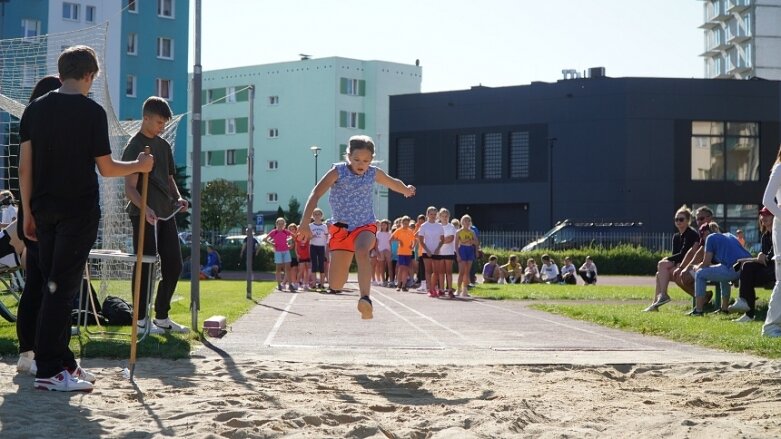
(341, 239)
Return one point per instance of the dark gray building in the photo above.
(524, 157)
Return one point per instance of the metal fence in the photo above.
(515, 240)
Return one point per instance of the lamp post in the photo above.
(551, 144)
(316, 151)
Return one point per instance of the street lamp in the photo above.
(316, 151)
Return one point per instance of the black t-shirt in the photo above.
(159, 196)
(67, 131)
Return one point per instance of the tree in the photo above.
(293, 211)
(182, 218)
(222, 206)
(280, 213)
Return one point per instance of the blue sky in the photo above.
(461, 43)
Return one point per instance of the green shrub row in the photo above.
(625, 259)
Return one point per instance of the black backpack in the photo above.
(82, 307)
(117, 311)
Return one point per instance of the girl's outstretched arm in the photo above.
(320, 188)
(394, 184)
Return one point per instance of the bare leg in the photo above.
(339, 269)
(664, 271)
(363, 243)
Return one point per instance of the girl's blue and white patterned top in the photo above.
(351, 197)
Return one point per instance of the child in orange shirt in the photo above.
(405, 236)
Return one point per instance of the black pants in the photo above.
(30, 302)
(589, 277)
(170, 264)
(755, 274)
(64, 244)
(317, 256)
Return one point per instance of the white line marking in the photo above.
(453, 331)
(279, 321)
(553, 322)
(421, 330)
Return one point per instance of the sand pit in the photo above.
(253, 397)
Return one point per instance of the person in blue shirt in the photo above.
(722, 250)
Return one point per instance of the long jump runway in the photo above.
(411, 328)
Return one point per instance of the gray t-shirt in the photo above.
(159, 197)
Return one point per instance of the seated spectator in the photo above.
(211, 269)
(684, 274)
(568, 271)
(722, 251)
(549, 272)
(492, 272)
(512, 270)
(588, 271)
(759, 271)
(531, 275)
(682, 242)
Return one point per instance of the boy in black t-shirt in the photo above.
(163, 202)
(64, 134)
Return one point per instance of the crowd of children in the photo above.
(549, 272)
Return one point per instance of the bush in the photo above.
(625, 259)
(263, 261)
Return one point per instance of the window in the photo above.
(165, 48)
(89, 14)
(70, 11)
(230, 95)
(405, 159)
(519, 154)
(230, 157)
(350, 119)
(273, 165)
(30, 28)
(353, 87)
(132, 43)
(492, 156)
(130, 86)
(273, 132)
(165, 8)
(132, 6)
(271, 197)
(725, 151)
(208, 159)
(466, 157)
(273, 100)
(165, 88)
(230, 127)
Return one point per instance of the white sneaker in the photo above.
(82, 374)
(63, 382)
(26, 363)
(153, 329)
(743, 319)
(170, 325)
(423, 287)
(740, 305)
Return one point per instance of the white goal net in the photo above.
(23, 61)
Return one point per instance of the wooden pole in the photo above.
(139, 268)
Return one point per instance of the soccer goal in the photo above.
(23, 61)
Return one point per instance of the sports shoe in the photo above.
(740, 305)
(423, 287)
(662, 300)
(170, 325)
(695, 313)
(280, 287)
(82, 374)
(63, 382)
(365, 307)
(332, 291)
(433, 293)
(26, 363)
(142, 325)
(465, 293)
(743, 319)
(772, 331)
(651, 308)
(292, 288)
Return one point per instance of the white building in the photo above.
(742, 39)
(299, 104)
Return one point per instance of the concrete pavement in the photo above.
(411, 328)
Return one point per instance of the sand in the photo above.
(253, 397)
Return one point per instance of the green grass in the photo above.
(715, 331)
(568, 292)
(218, 297)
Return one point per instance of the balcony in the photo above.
(738, 6)
(737, 39)
(709, 25)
